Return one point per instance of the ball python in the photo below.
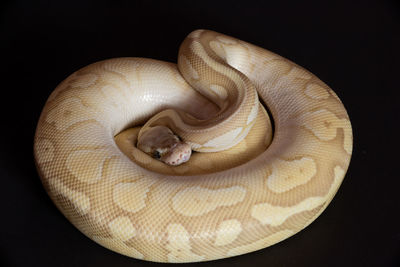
(251, 181)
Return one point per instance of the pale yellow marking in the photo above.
(84, 80)
(253, 113)
(262, 243)
(323, 125)
(227, 232)
(119, 246)
(300, 73)
(45, 151)
(225, 139)
(113, 95)
(196, 201)
(121, 228)
(197, 48)
(316, 91)
(80, 201)
(339, 173)
(338, 178)
(195, 34)
(226, 40)
(179, 245)
(218, 48)
(132, 196)
(127, 67)
(67, 113)
(87, 165)
(266, 213)
(220, 91)
(192, 72)
(289, 174)
(348, 136)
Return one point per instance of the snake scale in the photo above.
(258, 181)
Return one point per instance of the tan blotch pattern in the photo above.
(131, 197)
(289, 174)
(269, 182)
(227, 232)
(196, 201)
(324, 124)
(179, 246)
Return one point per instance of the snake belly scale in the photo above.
(260, 189)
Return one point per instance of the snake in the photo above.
(246, 149)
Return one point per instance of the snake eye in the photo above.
(156, 154)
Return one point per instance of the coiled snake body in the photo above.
(246, 193)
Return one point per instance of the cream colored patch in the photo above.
(339, 173)
(191, 71)
(323, 124)
(67, 113)
(119, 246)
(122, 228)
(80, 201)
(253, 114)
(87, 165)
(289, 174)
(45, 150)
(196, 201)
(338, 178)
(131, 197)
(262, 243)
(225, 139)
(179, 245)
(348, 136)
(195, 34)
(84, 80)
(299, 73)
(128, 67)
(265, 213)
(227, 232)
(226, 40)
(198, 49)
(316, 91)
(112, 95)
(220, 91)
(218, 48)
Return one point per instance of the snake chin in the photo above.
(177, 155)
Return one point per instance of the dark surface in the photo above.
(352, 46)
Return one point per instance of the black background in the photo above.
(352, 46)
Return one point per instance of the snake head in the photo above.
(162, 144)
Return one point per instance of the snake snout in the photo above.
(178, 154)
